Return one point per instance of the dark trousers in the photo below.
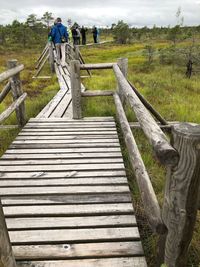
(83, 40)
(95, 38)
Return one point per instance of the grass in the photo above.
(165, 86)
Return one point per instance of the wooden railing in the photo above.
(13, 85)
(174, 223)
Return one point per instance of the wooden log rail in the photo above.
(13, 85)
(175, 222)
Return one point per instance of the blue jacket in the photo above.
(57, 32)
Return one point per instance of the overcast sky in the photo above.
(99, 12)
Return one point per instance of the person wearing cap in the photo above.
(60, 36)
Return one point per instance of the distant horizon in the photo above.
(137, 13)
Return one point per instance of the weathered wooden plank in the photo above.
(73, 124)
(62, 156)
(73, 235)
(58, 146)
(59, 161)
(11, 72)
(71, 222)
(106, 249)
(63, 150)
(66, 137)
(58, 181)
(71, 129)
(49, 108)
(62, 174)
(5, 114)
(63, 105)
(14, 191)
(70, 199)
(111, 262)
(95, 119)
(68, 210)
(66, 141)
(68, 134)
(72, 167)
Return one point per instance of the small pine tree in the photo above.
(122, 33)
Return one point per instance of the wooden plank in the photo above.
(61, 174)
(62, 155)
(68, 112)
(67, 251)
(67, 134)
(95, 119)
(97, 93)
(111, 262)
(59, 161)
(71, 222)
(73, 235)
(68, 210)
(14, 191)
(48, 109)
(29, 168)
(66, 141)
(63, 105)
(73, 124)
(70, 199)
(65, 130)
(63, 150)
(58, 146)
(66, 137)
(58, 182)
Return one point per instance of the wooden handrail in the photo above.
(5, 91)
(146, 190)
(166, 154)
(5, 114)
(97, 66)
(11, 72)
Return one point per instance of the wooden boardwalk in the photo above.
(65, 196)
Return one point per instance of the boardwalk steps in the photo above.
(66, 198)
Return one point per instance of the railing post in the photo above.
(76, 89)
(181, 194)
(123, 65)
(6, 256)
(51, 57)
(76, 52)
(17, 91)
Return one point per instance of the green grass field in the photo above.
(165, 86)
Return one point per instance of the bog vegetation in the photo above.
(164, 64)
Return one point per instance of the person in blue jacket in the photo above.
(60, 36)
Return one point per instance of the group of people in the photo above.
(60, 35)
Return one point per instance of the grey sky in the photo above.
(100, 12)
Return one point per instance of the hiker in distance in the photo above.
(59, 36)
(83, 35)
(95, 34)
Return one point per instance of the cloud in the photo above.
(90, 12)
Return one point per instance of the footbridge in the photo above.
(65, 199)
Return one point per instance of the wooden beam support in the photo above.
(51, 57)
(123, 65)
(166, 154)
(97, 93)
(9, 73)
(149, 199)
(5, 91)
(75, 89)
(181, 194)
